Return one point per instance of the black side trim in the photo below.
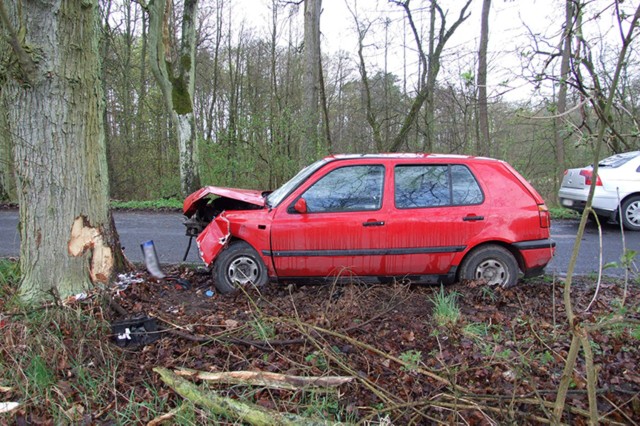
(369, 252)
(535, 244)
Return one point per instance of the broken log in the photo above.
(266, 379)
(231, 408)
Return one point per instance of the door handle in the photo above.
(472, 218)
(373, 223)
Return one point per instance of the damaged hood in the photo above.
(247, 195)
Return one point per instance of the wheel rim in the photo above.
(493, 272)
(243, 270)
(632, 213)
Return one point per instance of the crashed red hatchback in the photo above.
(420, 217)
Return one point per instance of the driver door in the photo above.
(342, 230)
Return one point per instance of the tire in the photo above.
(238, 265)
(631, 213)
(493, 264)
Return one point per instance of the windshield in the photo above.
(618, 159)
(279, 194)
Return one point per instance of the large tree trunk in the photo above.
(54, 114)
(177, 86)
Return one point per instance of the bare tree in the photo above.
(484, 141)
(439, 35)
(176, 80)
(54, 111)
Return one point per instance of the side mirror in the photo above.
(300, 206)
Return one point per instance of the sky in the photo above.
(511, 24)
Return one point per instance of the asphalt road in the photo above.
(167, 232)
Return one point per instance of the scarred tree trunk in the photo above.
(177, 85)
(54, 114)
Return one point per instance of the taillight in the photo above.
(545, 216)
(588, 174)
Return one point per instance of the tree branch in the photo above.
(27, 64)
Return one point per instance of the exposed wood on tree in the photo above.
(55, 122)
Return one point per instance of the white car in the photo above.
(617, 184)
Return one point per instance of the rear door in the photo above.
(343, 230)
(438, 209)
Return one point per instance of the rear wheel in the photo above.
(238, 265)
(493, 264)
(631, 213)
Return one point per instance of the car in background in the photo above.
(617, 190)
(420, 217)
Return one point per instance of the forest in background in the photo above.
(249, 97)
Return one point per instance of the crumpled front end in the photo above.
(205, 212)
(214, 238)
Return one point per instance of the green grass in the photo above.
(161, 204)
(412, 360)
(9, 272)
(445, 308)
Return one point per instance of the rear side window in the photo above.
(351, 188)
(437, 185)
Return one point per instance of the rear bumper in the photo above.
(535, 255)
(605, 203)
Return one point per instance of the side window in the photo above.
(351, 188)
(422, 186)
(465, 188)
(435, 185)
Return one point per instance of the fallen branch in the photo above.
(267, 379)
(231, 408)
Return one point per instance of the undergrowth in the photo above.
(416, 355)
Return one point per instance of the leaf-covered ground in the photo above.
(499, 362)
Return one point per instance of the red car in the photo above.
(421, 217)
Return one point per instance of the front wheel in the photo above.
(493, 264)
(631, 213)
(238, 265)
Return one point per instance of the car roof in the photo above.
(407, 155)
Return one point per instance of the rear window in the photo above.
(618, 159)
(418, 186)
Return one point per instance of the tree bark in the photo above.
(68, 241)
(562, 91)
(311, 80)
(7, 181)
(483, 110)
